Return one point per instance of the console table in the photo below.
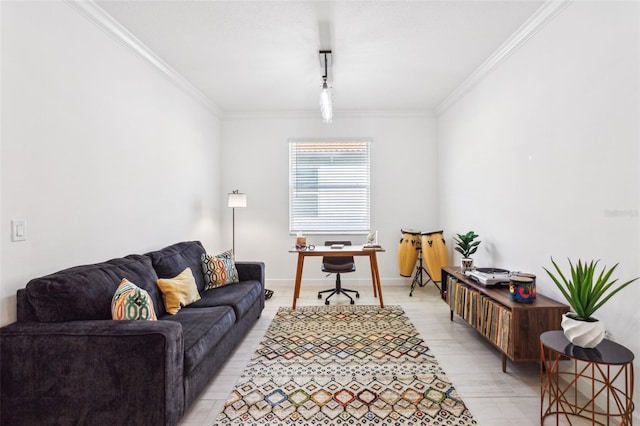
(513, 328)
(344, 251)
(608, 368)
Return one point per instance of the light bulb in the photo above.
(326, 107)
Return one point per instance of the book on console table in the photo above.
(371, 247)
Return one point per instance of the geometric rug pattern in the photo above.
(343, 365)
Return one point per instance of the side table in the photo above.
(607, 368)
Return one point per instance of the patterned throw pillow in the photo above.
(219, 270)
(179, 291)
(130, 302)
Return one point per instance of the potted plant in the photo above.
(585, 292)
(466, 246)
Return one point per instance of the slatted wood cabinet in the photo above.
(513, 328)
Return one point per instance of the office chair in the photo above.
(338, 265)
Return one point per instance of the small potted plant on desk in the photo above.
(466, 246)
(586, 293)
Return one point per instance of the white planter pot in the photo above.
(467, 264)
(582, 333)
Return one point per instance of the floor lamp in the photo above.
(235, 200)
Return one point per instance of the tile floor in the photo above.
(494, 398)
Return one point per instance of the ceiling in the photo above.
(262, 56)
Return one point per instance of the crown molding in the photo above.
(535, 23)
(90, 10)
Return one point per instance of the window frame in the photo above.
(360, 223)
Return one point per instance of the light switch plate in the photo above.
(18, 230)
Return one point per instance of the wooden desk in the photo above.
(346, 251)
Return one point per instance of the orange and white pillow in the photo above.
(130, 302)
(219, 270)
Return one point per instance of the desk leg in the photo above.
(296, 288)
(375, 274)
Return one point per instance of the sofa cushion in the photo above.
(130, 302)
(202, 329)
(240, 296)
(172, 260)
(179, 291)
(219, 270)
(85, 292)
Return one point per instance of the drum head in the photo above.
(523, 280)
(526, 274)
(410, 231)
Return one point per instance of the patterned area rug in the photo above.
(344, 365)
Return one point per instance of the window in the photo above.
(329, 187)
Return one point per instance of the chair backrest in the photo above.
(338, 263)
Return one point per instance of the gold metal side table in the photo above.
(607, 368)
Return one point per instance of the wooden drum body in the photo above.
(434, 253)
(408, 251)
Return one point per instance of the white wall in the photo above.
(101, 154)
(403, 182)
(541, 158)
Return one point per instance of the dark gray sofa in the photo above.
(65, 361)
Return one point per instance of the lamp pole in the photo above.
(235, 199)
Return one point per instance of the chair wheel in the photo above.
(326, 302)
(358, 295)
(353, 303)
(319, 296)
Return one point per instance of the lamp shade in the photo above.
(236, 199)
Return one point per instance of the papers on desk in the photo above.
(337, 246)
(371, 247)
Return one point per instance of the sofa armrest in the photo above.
(92, 372)
(251, 271)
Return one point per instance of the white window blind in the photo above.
(329, 187)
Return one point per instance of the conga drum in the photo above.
(408, 251)
(522, 287)
(434, 253)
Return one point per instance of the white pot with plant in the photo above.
(466, 246)
(585, 292)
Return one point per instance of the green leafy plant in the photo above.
(466, 245)
(583, 291)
